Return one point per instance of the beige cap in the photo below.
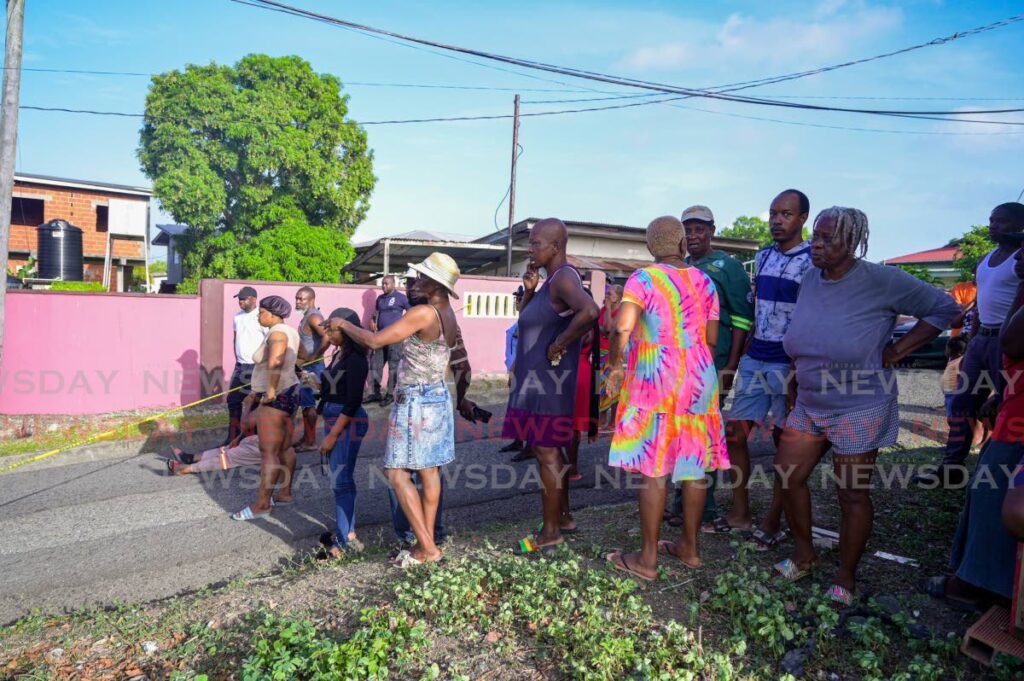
(702, 213)
(441, 268)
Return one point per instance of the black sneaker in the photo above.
(514, 446)
(387, 400)
(375, 397)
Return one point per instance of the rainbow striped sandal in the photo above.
(840, 596)
(528, 545)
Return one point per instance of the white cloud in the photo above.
(741, 40)
(668, 56)
(827, 8)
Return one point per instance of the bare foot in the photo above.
(689, 559)
(419, 554)
(746, 524)
(633, 563)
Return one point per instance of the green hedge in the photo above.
(90, 286)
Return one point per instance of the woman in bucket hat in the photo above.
(421, 425)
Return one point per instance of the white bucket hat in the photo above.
(441, 268)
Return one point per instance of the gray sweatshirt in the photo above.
(840, 329)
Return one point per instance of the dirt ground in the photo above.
(209, 632)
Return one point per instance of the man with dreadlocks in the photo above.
(846, 392)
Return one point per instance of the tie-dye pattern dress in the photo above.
(669, 422)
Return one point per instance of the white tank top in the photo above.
(997, 287)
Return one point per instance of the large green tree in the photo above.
(974, 244)
(748, 227)
(240, 152)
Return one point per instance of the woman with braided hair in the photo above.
(845, 393)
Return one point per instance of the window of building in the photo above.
(102, 215)
(27, 211)
(491, 305)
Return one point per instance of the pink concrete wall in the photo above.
(95, 353)
(484, 338)
(91, 353)
(328, 297)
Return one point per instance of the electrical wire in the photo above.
(492, 88)
(273, 5)
(443, 119)
(508, 191)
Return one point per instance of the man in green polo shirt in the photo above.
(736, 312)
(735, 297)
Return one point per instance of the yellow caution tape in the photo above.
(113, 431)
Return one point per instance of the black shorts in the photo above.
(287, 401)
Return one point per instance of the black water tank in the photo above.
(60, 251)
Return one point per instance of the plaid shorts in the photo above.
(851, 433)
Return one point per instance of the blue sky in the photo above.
(625, 166)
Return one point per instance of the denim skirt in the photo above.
(421, 428)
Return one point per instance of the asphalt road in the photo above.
(112, 526)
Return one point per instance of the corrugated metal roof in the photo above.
(32, 178)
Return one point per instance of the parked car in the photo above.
(930, 353)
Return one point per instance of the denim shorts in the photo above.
(421, 428)
(759, 390)
(307, 396)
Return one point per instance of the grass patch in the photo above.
(137, 427)
(486, 613)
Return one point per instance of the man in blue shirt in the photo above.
(762, 379)
(390, 307)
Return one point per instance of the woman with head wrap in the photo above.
(275, 395)
(345, 426)
(668, 423)
(846, 395)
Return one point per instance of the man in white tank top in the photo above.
(982, 364)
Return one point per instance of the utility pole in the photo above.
(512, 185)
(9, 136)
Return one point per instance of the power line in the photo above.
(494, 117)
(272, 5)
(493, 88)
(87, 72)
(507, 192)
(931, 43)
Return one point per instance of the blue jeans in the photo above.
(401, 524)
(982, 368)
(343, 465)
(984, 554)
(307, 396)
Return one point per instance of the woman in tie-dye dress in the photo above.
(668, 423)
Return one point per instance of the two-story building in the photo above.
(108, 214)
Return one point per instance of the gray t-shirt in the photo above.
(840, 329)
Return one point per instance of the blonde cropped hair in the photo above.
(664, 236)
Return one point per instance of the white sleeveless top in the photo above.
(997, 287)
(260, 373)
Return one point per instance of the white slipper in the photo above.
(247, 514)
(405, 560)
